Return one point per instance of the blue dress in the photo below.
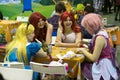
(32, 49)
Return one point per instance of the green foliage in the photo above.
(14, 10)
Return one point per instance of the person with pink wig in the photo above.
(100, 60)
(43, 30)
(69, 33)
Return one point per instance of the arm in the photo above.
(35, 48)
(86, 41)
(41, 53)
(78, 39)
(77, 42)
(59, 36)
(99, 45)
(49, 33)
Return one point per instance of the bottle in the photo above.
(49, 52)
(50, 49)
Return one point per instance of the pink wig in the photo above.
(74, 26)
(93, 23)
(35, 17)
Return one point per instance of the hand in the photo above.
(80, 49)
(46, 22)
(58, 42)
(77, 44)
(60, 24)
(45, 46)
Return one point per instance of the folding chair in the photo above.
(16, 74)
(22, 18)
(49, 69)
(5, 18)
(19, 65)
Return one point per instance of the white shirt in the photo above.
(70, 38)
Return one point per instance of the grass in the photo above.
(14, 10)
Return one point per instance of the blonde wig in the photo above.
(19, 42)
(93, 23)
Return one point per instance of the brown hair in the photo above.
(40, 34)
(35, 17)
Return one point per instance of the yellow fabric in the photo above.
(74, 63)
(6, 26)
(118, 37)
(2, 52)
(113, 33)
(8, 37)
(67, 5)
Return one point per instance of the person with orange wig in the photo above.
(69, 33)
(43, 30)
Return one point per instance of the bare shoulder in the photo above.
(101, 40)
(60, 29)
(50, 26)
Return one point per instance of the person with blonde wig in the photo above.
(21, 48)
(100, 61)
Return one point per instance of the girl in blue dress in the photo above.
(21, 48)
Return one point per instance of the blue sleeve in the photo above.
(33, 48)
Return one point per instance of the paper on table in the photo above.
(69, 54)
(59, 56)
(80, 55)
